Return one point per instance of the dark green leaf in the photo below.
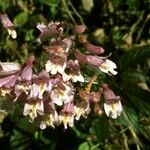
(134, 57)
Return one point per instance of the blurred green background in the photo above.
(121, 27)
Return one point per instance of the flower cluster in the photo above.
(51, 96)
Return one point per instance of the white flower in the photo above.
(67, 118)
(82, 110)
(12, 33)
(108, 67)
(49, 120)
(73, 72)
(62, 93)
(32, 109)
(54, 68)
(113, 110)
(74, 78)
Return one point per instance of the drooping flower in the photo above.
(27, 72)
(9, 81)
(41, 84)
(21, 88)
(51, 30)
(82, 108)
(8, 68)
(112, 105)
(108, 66)
(33, 108)
(104, 64)
(79, 28)
(66, 115)
(57, 59)
(62, 93)
(95, 61)
(73, 72)
(8, 25)
(93, 49)
(50, 117)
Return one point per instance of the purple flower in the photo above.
(72, 72)
(26, 74)
(89, 59)
(62, 93)
(8, 25)
(9, 81)
(50, 117)
(82, 109)
(53, 29)
(93, 49)
(41, 84)
(112, 105)
(8, 68)
(67, 114)
(79, 29)
(33, 108)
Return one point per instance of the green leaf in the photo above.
(129, 118)
(100, 128)
(84, 146)
(5, 4)
(134, 76)
(134, 57)
(21, 18)
(133, 4)
(19, 141)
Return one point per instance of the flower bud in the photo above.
(79, 29)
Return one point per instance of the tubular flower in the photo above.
(33, 108)
(52, 96)
(73, 72)
(82, 109)
(112, 105)
(66, 116)
(62, 93)
(8, 68)
(108, 66)
(21, 88)
(57, 60)
(8, 25)
(53, 29)
(50, 117)
(26, 74)
(41, 84)
(95, 61)
(93, 49)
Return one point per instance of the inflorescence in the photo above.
(51, 96)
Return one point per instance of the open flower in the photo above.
(104, 64)
(82, 109)
(73, 72)
(112, 105)
(51, 30)
(113, 110)
(62, 93)
(21, 88)
(33, 108)
(41, 84)
(66, 115)
(57, 60)
(8, 25)
(108, 66)
(50, 117)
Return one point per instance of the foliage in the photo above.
(122, 27)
